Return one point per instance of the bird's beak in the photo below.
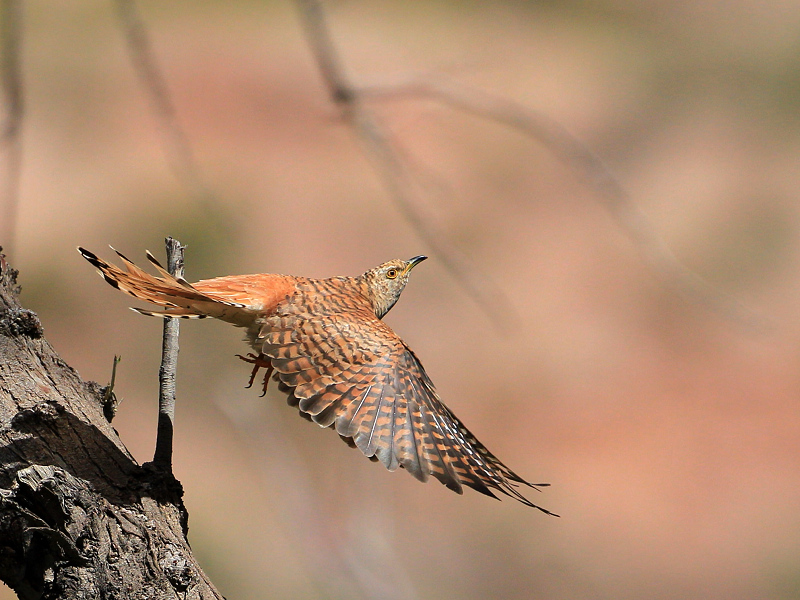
(413, 262)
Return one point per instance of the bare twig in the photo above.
(10, 136)
(166, 373)
(589, 168)
(110, 400)
(394, 173)
(179, 153)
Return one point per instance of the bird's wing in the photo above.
(350, 371)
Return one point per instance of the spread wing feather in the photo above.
(347, 369)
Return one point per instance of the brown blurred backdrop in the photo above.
(671, 435)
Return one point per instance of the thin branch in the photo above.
(381, 149)
(179, 152)
(166, 373)
(10, 136)
(590, 169)
(325, 52)
(110, 400)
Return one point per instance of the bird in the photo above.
(342, 366)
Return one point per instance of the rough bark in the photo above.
(78, 517)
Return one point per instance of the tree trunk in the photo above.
(78, 517)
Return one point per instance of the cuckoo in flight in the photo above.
(343, 367)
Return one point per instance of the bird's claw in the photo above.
(258, 361)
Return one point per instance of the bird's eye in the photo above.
(391, 273)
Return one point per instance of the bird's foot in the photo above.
(259, 361)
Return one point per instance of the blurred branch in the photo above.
(162, 457)
(381, 149)
(10, 136)
(179, 153)
(589, 168)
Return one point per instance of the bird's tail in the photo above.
(178, 297)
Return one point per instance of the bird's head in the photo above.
(385, 282)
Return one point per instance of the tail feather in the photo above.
(177, 295)
(130, 266)
(181, 313)
(166, 274)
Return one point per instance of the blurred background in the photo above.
(670, 433)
